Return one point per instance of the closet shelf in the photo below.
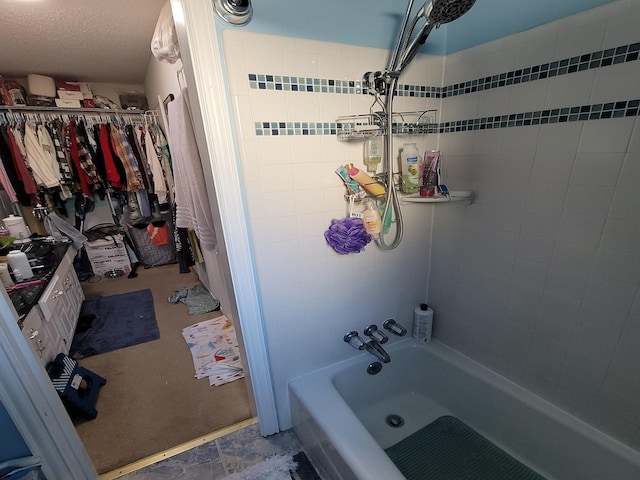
(456, 196)
(35, 109)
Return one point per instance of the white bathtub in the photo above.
(339, 416)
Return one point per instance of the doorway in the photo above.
(152, 402)
(151, 272)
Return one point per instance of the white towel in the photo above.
(192, 203)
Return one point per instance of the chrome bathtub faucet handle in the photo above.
(394, 327)
(373, 332)
(353, 339)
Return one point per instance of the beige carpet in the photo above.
(152, 401)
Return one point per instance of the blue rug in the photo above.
(117, 321)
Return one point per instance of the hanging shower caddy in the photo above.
(353, 127)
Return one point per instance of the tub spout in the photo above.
(376, 349)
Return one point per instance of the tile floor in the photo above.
(226, 455)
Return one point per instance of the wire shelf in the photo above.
(352, 127)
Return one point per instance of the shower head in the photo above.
(435, 14)
(445, 11)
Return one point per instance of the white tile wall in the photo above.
(568, 247)
(310, 295)
(539, 278)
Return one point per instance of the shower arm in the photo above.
(435, 13)
(417, 43)
(393, 61)
(390, 77)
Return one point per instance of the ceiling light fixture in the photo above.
(234, 12)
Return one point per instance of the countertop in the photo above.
(44, 256)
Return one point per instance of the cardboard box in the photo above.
(68, 95)
(73, 90)
(88, 103)
(67, 86)
(65, 103)
(108, 255)
(40, 101)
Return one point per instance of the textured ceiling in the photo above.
(83, 40)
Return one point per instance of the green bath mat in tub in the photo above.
(447, 449)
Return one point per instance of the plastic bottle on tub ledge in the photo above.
(411, 168)
(422, 323)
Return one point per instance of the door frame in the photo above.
(204, 68)
(34, 405)
(25, 389)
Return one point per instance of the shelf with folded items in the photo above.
(455, 196)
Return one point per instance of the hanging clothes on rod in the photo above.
(53, 155)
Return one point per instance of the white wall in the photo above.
(540, 277)
(310, 295)
(161, 80)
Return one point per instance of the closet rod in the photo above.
(102, 111)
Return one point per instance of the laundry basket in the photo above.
(148, 252)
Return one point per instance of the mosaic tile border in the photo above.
(566, 66)
(599, 111)
(288, 83)
(579, 63)
(295, 128)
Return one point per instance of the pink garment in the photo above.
(6, 184)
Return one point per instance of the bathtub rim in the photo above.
(318, 388)
(343, 429)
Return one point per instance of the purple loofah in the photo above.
(347, 235)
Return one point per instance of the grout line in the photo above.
(171, 452)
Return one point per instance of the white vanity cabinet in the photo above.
(50, 325)
(39, 339)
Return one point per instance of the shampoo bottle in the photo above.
(372, 221)
(422, 323)
(372, 153)
(410, 159)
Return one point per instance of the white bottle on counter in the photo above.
(19, 261)
(422, 323)
(16, 226)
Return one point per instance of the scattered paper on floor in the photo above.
(214, 349)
